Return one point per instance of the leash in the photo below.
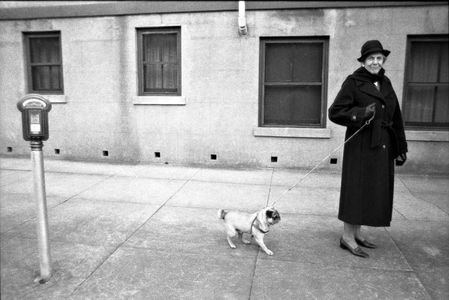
(324, 159)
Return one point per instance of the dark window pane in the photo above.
(278, 64)
(442, 105)
(444, 64)
(152, 76)
(420, 104)
(41, 78)
(169, 49)
(152, 49)
(55, 71)
(292, 105)
(44, 50)
(293, 62)
(170, 76)
(424, 62)
(307, 62)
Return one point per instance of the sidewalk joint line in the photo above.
(421, 199)
(91, 186)
(137, 229)
(253, 274)
(411, 267)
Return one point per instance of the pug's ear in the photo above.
(269, 214)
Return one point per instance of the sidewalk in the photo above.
(152, 232)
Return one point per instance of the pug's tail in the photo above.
(222, 213)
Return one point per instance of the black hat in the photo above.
(373, 46)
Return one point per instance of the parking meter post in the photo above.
(42, 218)
(34, 109)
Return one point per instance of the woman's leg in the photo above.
(361, 240)
(358, 232)
(349, 234)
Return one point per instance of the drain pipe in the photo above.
(243, 30)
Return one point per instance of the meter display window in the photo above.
(35, 121)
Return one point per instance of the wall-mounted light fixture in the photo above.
(243, 30)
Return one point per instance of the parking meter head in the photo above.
(34, 110)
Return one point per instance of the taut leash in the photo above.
(324, 159)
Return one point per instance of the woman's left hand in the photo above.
(400, 160)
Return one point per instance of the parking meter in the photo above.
(34, 110)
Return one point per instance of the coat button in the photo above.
(383, 106)
(383, 146)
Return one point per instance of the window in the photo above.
(44, 62)
(159, 61)
(426, 97)
(293, 82)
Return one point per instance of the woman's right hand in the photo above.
(370, 110)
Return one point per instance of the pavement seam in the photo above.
(91, 186)
(396, 210)
(253, 275)
(56, 205)
(410, 266)
(419, 198)
(137, 229)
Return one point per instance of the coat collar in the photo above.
(365, 82)
(370, 89)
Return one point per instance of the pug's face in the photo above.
(273, 216)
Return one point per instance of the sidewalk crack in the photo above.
(409, 265)
(128, 237)
(416, 195)
(253, 274)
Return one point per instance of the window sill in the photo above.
(313, 133)
(55, 99)
(427, 136)
(159, 100)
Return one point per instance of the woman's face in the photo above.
(373, 62)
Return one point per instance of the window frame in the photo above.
(324, 41)
(27, 35)
(421, 126)
(140, 32)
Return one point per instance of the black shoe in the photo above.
(356, 251)
(365, 244)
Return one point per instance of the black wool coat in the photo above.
(366, 196)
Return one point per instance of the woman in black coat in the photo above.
(366, 196)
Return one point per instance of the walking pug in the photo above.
(257, 224)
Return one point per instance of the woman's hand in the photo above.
(400, 160)
(370, 110)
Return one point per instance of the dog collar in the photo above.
(257, 227)
(263, 231)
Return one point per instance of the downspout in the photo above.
(243, 30)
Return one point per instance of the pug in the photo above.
(256, 224)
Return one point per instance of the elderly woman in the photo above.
(367, 184)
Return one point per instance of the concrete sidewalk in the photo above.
(152, 232)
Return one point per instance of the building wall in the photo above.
(218, 110)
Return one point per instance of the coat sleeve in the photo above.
(344, 111)
(398, 127)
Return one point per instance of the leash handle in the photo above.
(370, 119)
(324, 159)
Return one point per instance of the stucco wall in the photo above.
(220, 86)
